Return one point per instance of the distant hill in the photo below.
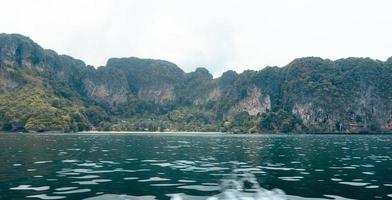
(43, 91)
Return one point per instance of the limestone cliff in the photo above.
(41, 90)
(255, 103)
(162, 94)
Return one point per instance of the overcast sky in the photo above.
(216, 34)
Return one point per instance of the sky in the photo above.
(219, 35)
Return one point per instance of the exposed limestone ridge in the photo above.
(214, 95)
(255, 103)
(162, 94)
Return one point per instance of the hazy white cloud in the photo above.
(216, 34)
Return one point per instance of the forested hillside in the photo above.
(43, 91)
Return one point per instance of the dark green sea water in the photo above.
(193, 166)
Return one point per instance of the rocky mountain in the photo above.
(43, 91)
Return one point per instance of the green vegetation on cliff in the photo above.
(43, 91)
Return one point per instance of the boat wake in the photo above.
(239, 187)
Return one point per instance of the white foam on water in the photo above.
(249, 169)
(65, 188)
(92, 182)
(277, 168)
(73, 149)
(163, 164)
(210, 184)
(166, 184)
(141, 170)
(109, 162)
(29, 187)
(182, 196)
(185, 162)
(91, 171)
(354, 183)
(130, 178)
(121, 197)
(202, 188)
(81, 170)
(245, 187)
(335, 197)
(73, 191)
(46, 197)
(152, 161)
(186, 181)
(232, 194)
(336, 179)
(152, 179)
(89, 165)
(68, 173)
(291, 178)
(43, 162)
(86, 177)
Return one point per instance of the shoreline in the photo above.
(147, 132)
(179, 133)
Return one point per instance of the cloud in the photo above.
(219, 34)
